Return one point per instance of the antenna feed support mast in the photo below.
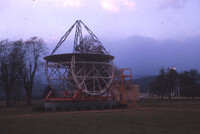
(78, 40)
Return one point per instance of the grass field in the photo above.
(150, 117)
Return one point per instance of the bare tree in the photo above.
(17, 55)
(154, 88)
(10, 60)
(189, 83)
(89, 46)
(162, 82)
(171, 81)
(35, 49)
(158, 86)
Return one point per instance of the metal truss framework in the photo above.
(124, 83)
(84, 75)
(78, 40)
(92, 78)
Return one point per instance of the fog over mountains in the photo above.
(146, 56)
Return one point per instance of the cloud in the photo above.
(164, 4)
(129, 4)
(65, 3)
(109, 5)
(70, 3)
(117, 5)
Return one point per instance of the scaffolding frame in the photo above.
(122, 82)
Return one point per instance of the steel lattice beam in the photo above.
(78, 40)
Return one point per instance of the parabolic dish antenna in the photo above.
(89, 68)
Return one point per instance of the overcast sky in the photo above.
(108, 19)
(141, 34)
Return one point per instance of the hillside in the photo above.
(146, 56)
(144, 83)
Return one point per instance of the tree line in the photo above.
(171, 83)
(19, 62)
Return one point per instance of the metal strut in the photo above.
(63, 38)
(78, 36)
(78, 40)
(94, 37)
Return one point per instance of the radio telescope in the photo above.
(84, 75)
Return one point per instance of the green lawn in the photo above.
(151, 117)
